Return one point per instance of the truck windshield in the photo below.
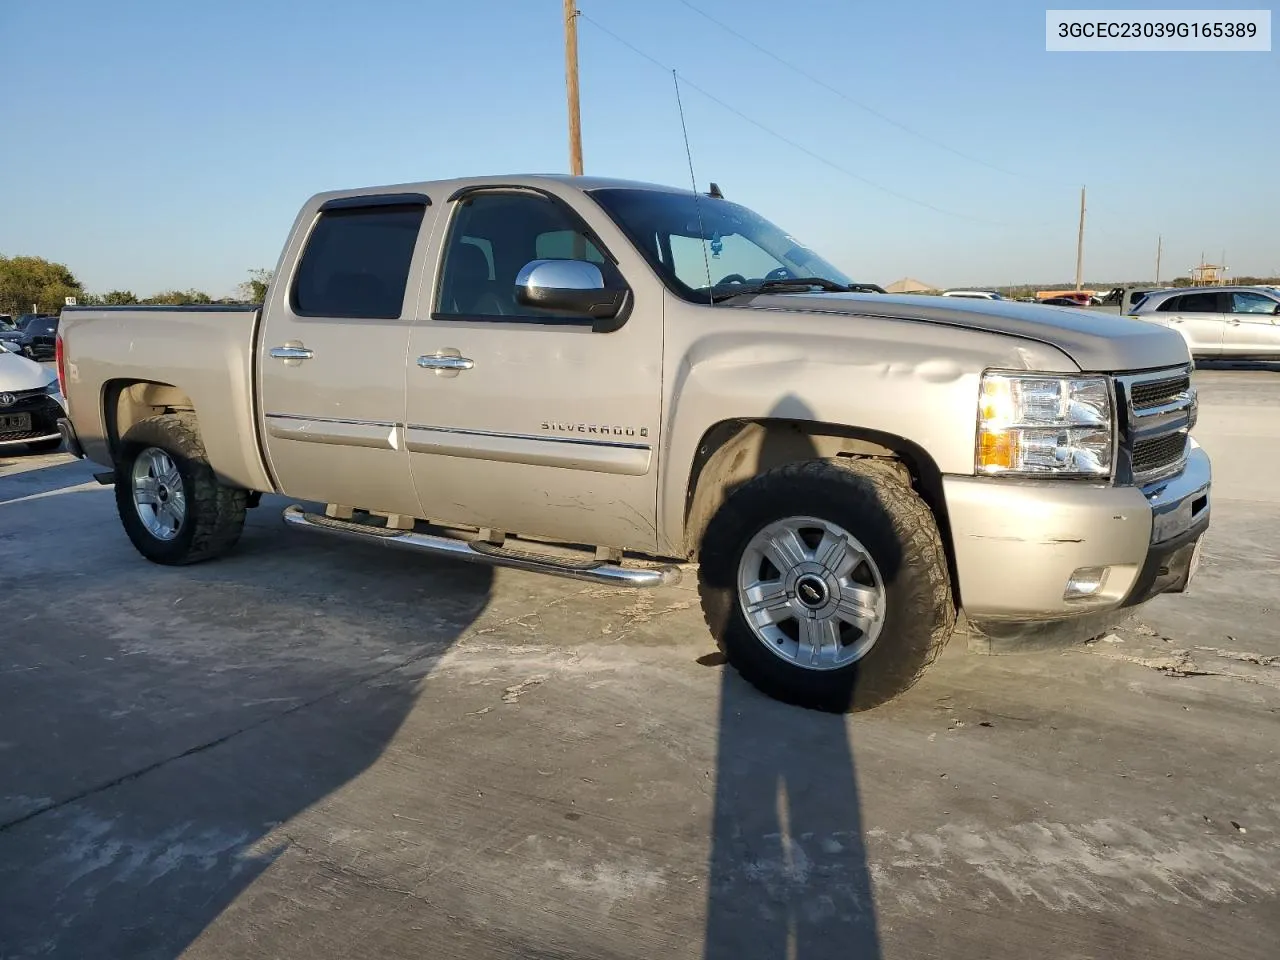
(708, 249)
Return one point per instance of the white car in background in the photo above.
(30, 405)
(1241, 323)
(973, 294)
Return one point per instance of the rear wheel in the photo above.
(170, 502)
(825, 584)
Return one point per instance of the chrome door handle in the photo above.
(439, 362)
(1234, 323)
(291, 352)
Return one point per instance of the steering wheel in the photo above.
(779, 273)
(732, 278)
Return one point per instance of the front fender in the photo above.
(915, 382)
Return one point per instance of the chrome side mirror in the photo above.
(573, 287)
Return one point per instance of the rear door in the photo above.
(1199, 317)
(332, 353)
(548, 427)
(1252, 329)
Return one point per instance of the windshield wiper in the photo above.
(783, 283)
(780, 285)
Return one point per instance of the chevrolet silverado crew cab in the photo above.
(606, 380)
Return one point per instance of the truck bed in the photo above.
(120, 361)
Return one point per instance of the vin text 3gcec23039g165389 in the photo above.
(596, 378)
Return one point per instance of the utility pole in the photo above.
(571, 86)
(1159, 250)
(1080, 245)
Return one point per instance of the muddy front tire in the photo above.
(170, 502)
(825, 584)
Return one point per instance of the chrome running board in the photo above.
(592, 571)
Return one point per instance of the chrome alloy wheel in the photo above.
(158, 494)
(811, 593)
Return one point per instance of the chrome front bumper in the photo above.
(1181, 502)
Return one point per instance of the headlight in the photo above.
(52, 389)
(1040, 425)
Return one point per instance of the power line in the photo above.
(785, 139)
(844, 96)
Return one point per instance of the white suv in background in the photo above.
(973, 294)
(1242, 323)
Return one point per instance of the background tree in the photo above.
(25, 281)
(254, 290)
(178, 298)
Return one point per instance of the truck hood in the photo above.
(1097, 342)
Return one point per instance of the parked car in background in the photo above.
(1124, 299)
(34, 335)
(1238, 322)
(1060, 302)
(30, 404)
(973, 294)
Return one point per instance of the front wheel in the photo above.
(825, 584)
(170, 501)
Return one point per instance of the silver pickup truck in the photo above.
(605, 380)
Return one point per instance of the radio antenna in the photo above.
(693, 182)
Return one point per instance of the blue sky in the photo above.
(151, 145)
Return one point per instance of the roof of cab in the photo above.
(440, 190)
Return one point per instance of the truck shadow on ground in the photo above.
(164, 725)
(197, 711)
(788, 875)
(788, 872)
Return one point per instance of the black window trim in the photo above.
(376, 200)
(345, 205)
(459, 200)
(464, 193)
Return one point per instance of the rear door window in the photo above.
(1192, 303)
(356, 262)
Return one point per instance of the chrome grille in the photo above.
(1157, 453)
(1157, 393)
(1158, 411)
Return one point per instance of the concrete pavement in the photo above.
(314, 750)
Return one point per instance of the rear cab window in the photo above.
(356, 261)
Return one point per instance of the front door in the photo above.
(1252, 328)
(1199, 318)
(333, 355)
(542, 426)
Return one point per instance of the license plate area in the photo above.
(15, 422)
